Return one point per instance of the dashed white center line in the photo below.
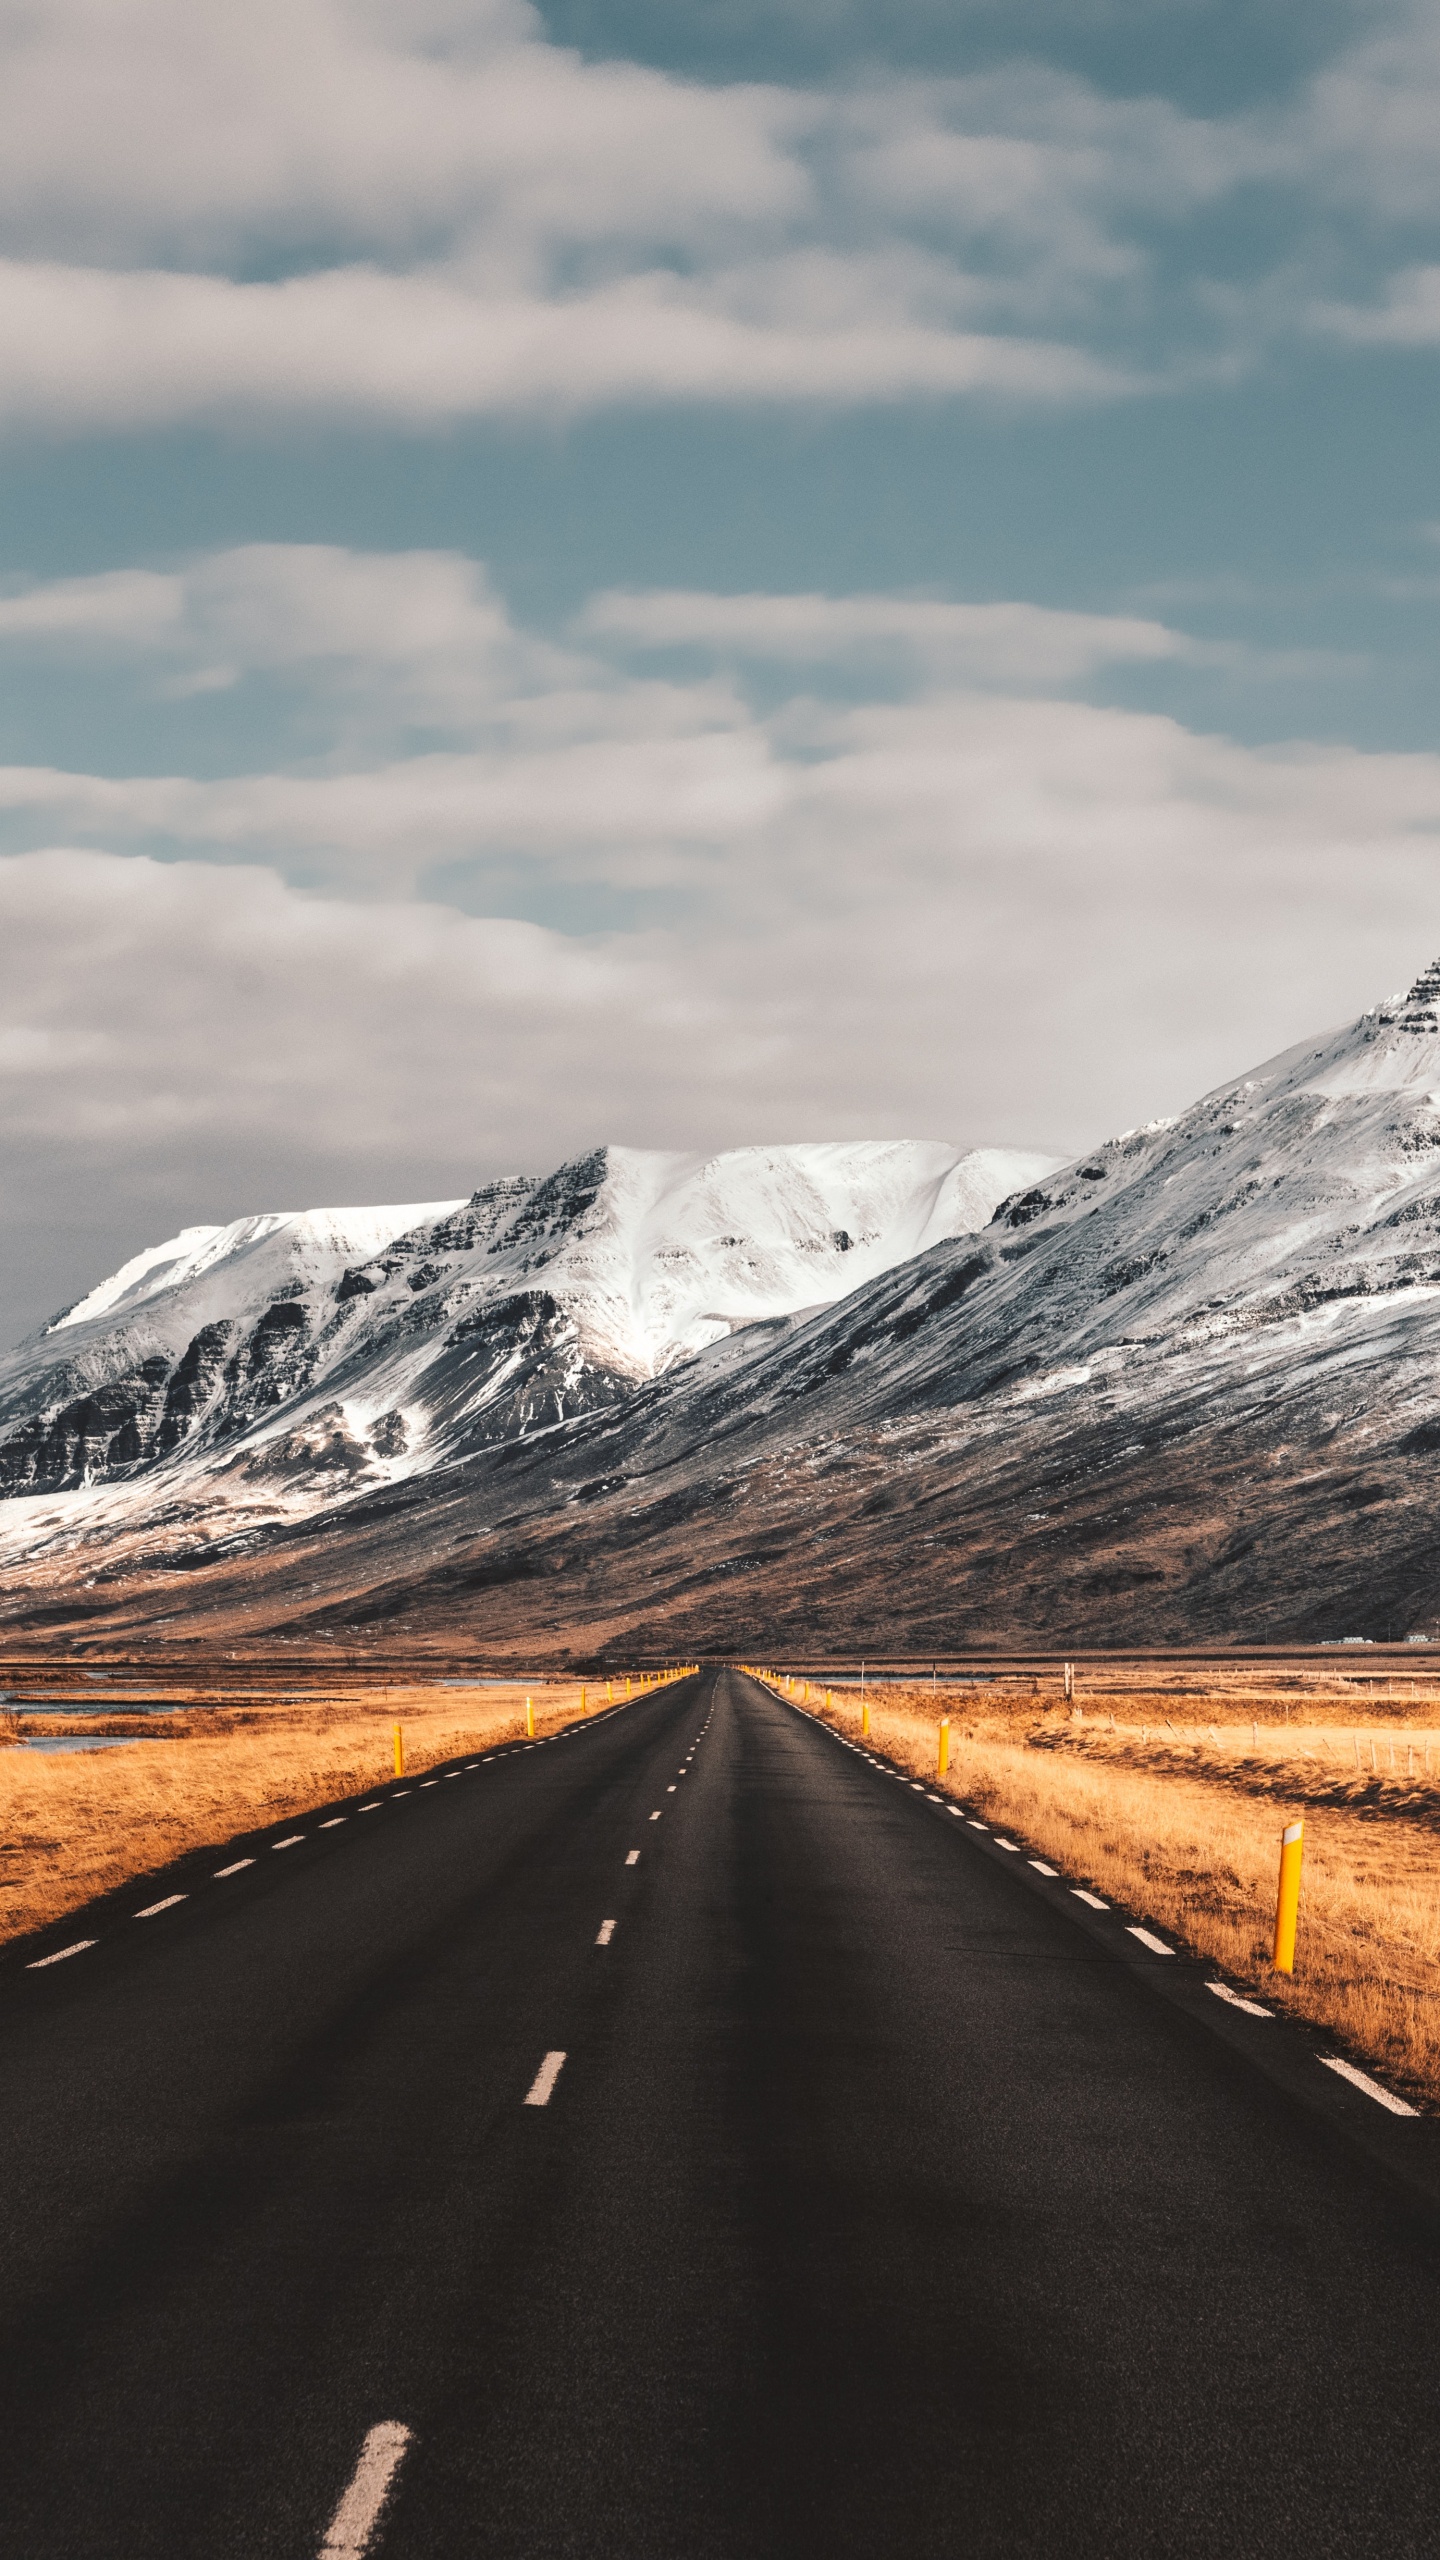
(37, 1964)
(234, 1869)
(1372, 2088)
(607, 1932)
(370, 1808)
(334, 1822)
(1148, 1939)
(1041, 1869)
(655, 1816)
(292, 1842)
(1251, 2008)
(450, 1773)
(542, 2087)
(428, 1782)
(398, 1791)
(167, 1905)
(470, 1766)
(1092, 1898)
(352, 2526)
(669, 1791)
(634, 1858)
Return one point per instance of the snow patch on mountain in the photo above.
(317, 1348)
(244, 1263)
(675, 1251)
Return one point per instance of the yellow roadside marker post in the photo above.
(627, 1684)
(399, 1753)
(944, 1744)
(584, 1710)
(865, 1716)
(529, 1719)
(1287, 1905)
(609, 1695)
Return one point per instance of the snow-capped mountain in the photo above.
(1187, 1386)
(345, 1342)
(1308, 1186)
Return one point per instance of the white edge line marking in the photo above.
(1372, 2088)
(1092, 1898)
(974, 1825)
(1007, 1844)
(1041, 1869)
(37, 1964)
(334, 1822)
(1251, 2008)
(233, 1870)
(634, 1858)
(1148, 1939)
(542, 2087)
(289, 1842)
(167, 1905)
(606, 1933)
(955, 1809)
(352, 2526)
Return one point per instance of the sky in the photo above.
(693, 574)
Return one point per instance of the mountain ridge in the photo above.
(530, 1300)
(1186, 1386)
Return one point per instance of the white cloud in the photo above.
(429, 631)
(1407, 316)
(988, 644)
(480, 222)
(139, 130)
(426, 626)
(565, 760)
(88, 348)
(367, 210)
(921, 860)
(1362, 134)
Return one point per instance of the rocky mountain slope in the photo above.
(340, 1344)
(1189, 1386)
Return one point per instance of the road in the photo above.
(887, 2201)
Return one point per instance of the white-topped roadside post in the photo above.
(1287, 1903)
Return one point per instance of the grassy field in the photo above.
(1173, 1802)
(76, 1824)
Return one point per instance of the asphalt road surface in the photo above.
(887, 2200)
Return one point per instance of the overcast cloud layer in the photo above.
(329, 869)
(414, 213)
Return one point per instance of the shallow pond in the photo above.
(86, 1742)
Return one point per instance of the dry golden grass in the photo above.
(77, 1824)
(1182, 1824)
